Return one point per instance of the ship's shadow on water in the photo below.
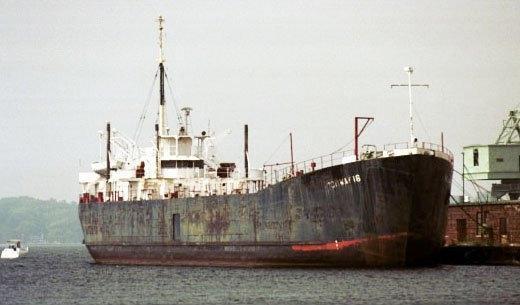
(67, 275)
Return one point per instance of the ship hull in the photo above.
(380, 212)
(241, 255)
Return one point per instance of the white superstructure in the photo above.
(179, 164)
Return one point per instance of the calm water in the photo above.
(66, 275)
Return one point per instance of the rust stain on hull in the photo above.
(392, 214)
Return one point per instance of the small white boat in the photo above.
(14, 249)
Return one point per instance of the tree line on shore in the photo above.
(39, 221)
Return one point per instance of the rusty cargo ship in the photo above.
(176, 204)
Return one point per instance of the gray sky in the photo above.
(304, 66)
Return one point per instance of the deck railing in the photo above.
(423, 145)
(279, 172)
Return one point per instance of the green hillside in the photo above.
(36, 221)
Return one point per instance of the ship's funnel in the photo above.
(246, 150)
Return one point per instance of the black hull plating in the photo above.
(379, 212)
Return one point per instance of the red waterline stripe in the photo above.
(338, 245)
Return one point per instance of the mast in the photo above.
(161, 126)
(108, 188)
(292, 154)
(357, 132)
(409, 70)
(162, 101)
(185, 122)
(246, 150)
(157, 153)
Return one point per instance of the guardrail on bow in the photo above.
(281, 171)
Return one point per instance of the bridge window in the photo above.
(182, 163)
(168, 163)
(475, 157)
